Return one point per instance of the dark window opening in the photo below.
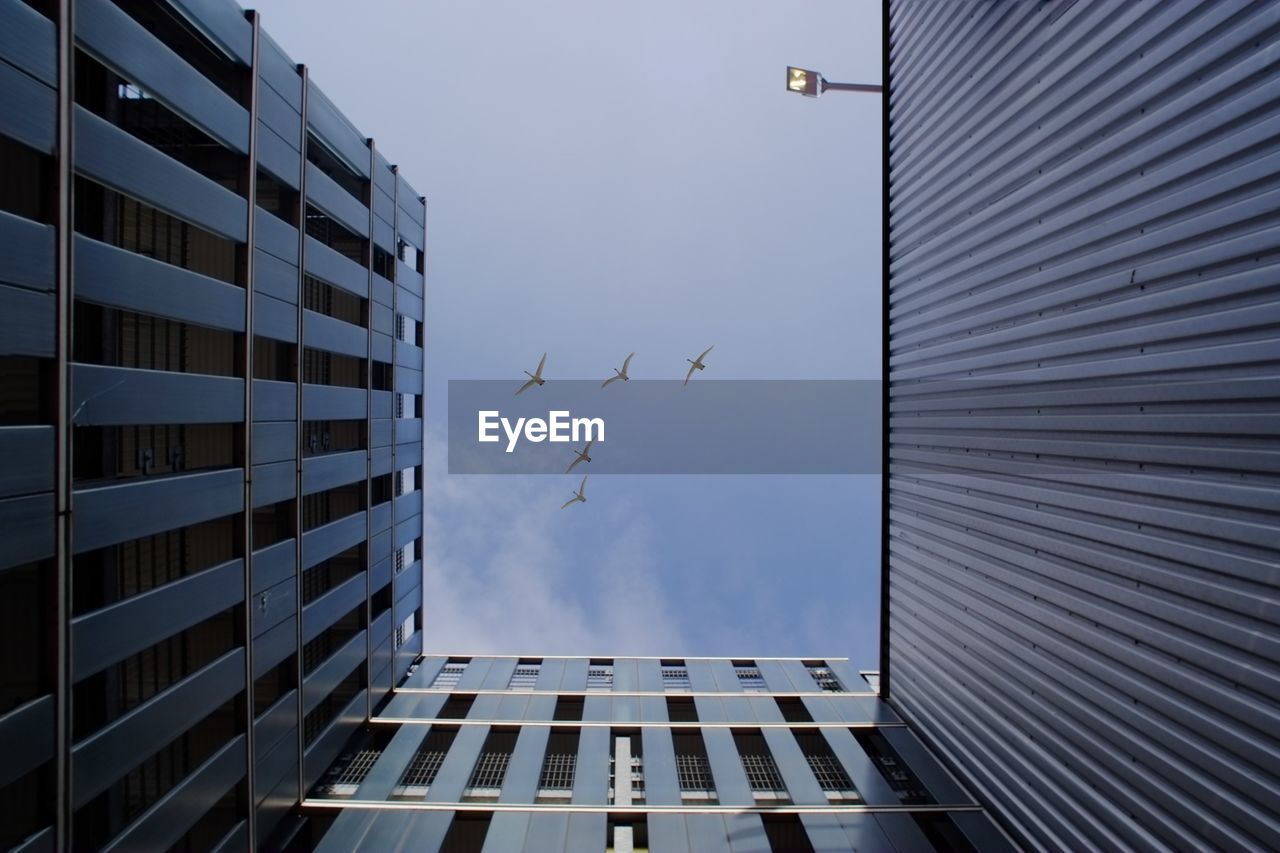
(383, 376)
(325, 507)
(113, 692)
(380, 602)
(278, 199)
(319, 155)
(270, 688)
(189, 43)
(623, 828)
(559, 767)
(135, 226)
(827, 769)
(384, 263)
(147, 450)
(118, 338)
(26, 390)
(762, 771)
(27, 181)
(332, 234)
(134, 110)
(273, 524)
(332, 705)
(28, 598)
(334, 302)
(331, 573)
(942, 832)
(786, 833)
(568, 708)
(681, 709)
(331, 639)
(793, 709)
(457, 706)
(27, 805)
(274, 360)
(693, 768)
(320, 367)
(116, 572)
(905, 783)
(425, 764)
(381, 487)
(490, 770)
(467, 832)
(321, 437)
(115, 808)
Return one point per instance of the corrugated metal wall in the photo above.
(1083, 329)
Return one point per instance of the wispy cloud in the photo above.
(505, 574)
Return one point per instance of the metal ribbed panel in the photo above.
(1083, 515)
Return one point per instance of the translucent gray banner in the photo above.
(649, 426)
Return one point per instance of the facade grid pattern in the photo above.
(420, 773)
(557, 772)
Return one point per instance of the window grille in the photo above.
(486, 778)
(557, 774)
(675, 678)
(524, 678)
(448, 676)
(343, 783)
(399, 639)
(750, 679)
(599, 678)
(763, 775)
(832, 778)
(694, 772)
(420, 773)
(825, 678)
(399, 560)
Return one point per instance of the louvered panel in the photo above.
(1084, 404)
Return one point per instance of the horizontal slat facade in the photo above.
(1082, 352)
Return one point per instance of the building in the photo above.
(1082, 533)
(621, 754)
(211, 305)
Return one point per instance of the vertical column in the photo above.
(251, 191)
(63, 225)
(298, 376)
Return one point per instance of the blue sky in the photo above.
(604, 177)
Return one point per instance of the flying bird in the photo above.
(578, 496)
(619, 374)
(584, 455)
(535, 378)
(697, 363)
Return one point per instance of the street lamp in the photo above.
(811, 84)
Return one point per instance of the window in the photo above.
(675, 677)
(424, 766)
(693, 770)
(559, 764)
(910, 791)
(824, 677)
(682, 710)
(344, 780)
(762, 771)
(626, 769)
(831, 775)
(447, 677)
(568, 708)
(749, 677)
(525, 675)
(491, 767)
(600, 675)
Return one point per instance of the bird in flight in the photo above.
(584, 455)
(578, 496)
(619, 374)
(696, 363)
(535, 378)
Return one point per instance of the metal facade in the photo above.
(211, 306)
(1084, 545)
(758, 727)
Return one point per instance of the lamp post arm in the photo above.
(851, 87)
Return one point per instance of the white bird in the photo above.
(578, 496)
(697, 363)
(620, 374)
(584, 455)
(535, 378)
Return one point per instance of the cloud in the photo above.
(508, 572)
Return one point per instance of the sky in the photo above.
(605, 177)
